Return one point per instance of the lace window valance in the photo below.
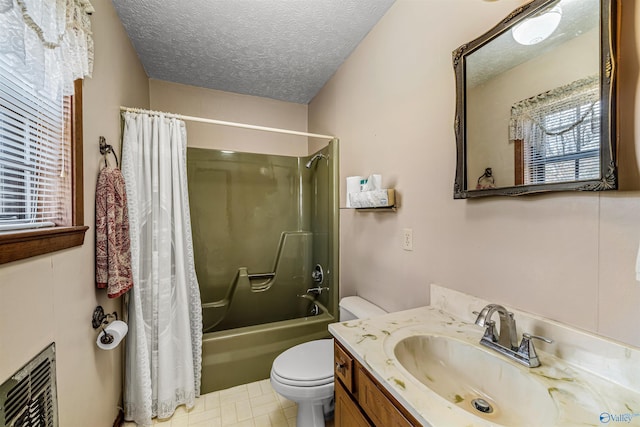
(558, 134)
(47, 42)
(529, 117)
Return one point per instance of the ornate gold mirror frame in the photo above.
(465, 180)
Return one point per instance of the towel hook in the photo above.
(106, 149)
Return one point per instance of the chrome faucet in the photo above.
(508, 337)
(506, 343)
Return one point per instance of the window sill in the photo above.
(25, 244)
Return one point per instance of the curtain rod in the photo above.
(223, 123)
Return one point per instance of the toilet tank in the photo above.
(358, 308)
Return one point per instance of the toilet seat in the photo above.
(305, 365)
(298, 383)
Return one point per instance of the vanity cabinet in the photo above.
(360, 400)
(347, 413)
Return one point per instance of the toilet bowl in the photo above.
(304, 373)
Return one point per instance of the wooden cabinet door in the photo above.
(343, 367)
(347, 413)
(376, 405)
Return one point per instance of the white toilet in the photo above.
(304, 373)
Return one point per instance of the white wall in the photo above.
(233, 107)
(51, 297)
(567, 256)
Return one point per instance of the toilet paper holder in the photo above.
(99, 320)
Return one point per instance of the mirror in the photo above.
(535, 101)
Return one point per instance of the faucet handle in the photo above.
(318, 289)
(538, 337)
(528, 351)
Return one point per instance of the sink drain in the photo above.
(482, 405)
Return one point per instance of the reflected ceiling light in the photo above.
(227, 151)
(536, 29)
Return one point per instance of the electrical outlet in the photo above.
(407, 239)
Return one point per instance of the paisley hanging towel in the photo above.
(113, 254)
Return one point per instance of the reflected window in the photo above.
(557, 135)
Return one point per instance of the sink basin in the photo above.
(471, 378)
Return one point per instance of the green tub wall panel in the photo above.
(257, 213)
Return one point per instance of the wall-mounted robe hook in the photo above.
(106, 149)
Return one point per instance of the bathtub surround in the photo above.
(255, 211)
(260, 224)
(163, 362)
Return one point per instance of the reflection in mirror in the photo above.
(556, 134)
(534, 102)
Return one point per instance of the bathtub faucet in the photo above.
(318, 290)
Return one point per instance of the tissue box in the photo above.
(373, 199)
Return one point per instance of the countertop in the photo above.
(581, 397)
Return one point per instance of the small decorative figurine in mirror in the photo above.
(486, 180)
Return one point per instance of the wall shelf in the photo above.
(383, 209)
(376, 200)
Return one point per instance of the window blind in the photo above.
(569, 148)
(35, 139)
(560, 132)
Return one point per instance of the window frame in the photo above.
(22, 244)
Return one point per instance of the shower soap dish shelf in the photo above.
(374, 200)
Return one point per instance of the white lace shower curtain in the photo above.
(164, 344)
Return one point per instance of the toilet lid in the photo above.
(309, 362)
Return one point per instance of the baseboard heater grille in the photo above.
(28, 398)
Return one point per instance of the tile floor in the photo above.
(248, 405)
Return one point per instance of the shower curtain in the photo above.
(164, 344)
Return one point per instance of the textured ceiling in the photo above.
(280, 49)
